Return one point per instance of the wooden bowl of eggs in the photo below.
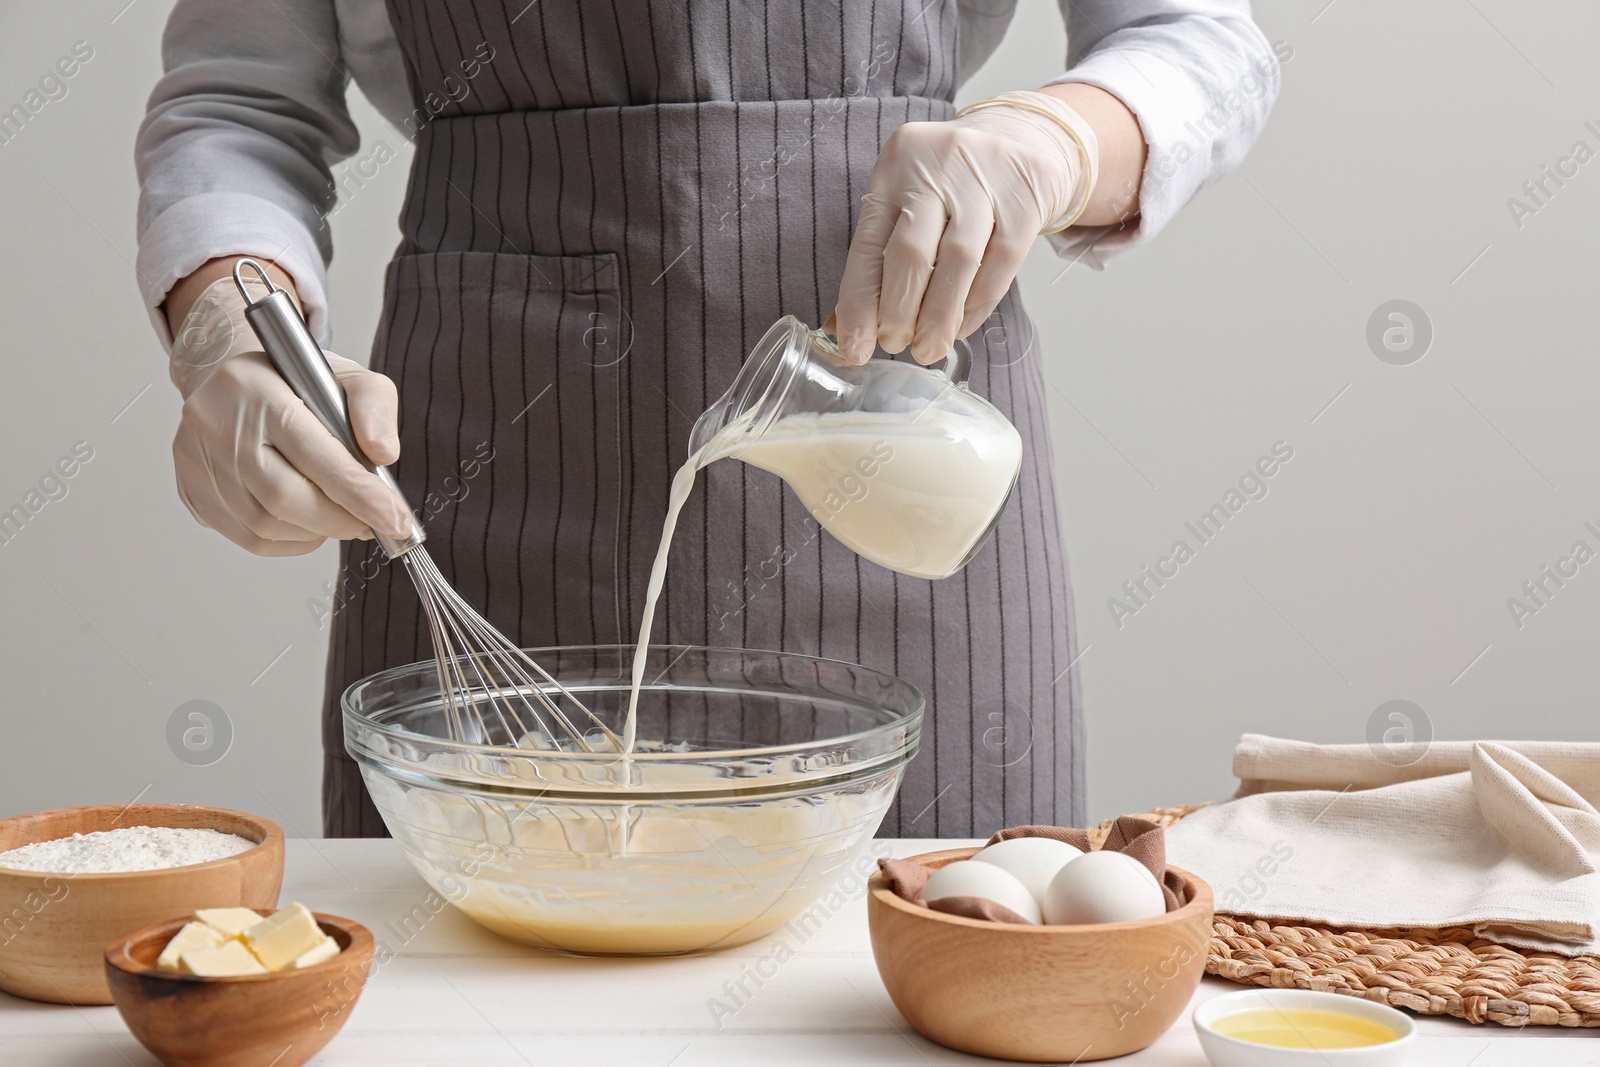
(1101, 968)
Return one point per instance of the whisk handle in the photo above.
(297, 356)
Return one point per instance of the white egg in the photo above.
(1103, 887)
(1033, 861)
(967, 879)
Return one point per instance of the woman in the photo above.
(609, 204)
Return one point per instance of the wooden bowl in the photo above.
(258, 1020)
(54, 927)
(1065, 994)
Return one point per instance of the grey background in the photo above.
(1377, 568)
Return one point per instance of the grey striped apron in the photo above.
(602, 218)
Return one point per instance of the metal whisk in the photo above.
(480, 669)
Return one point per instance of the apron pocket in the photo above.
(511, 417)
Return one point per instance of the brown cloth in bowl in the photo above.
(1139, 838)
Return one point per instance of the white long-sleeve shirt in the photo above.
(236, 149)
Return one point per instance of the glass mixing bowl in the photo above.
(758, 776)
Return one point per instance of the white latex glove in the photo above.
(950, 211)
(253, 462)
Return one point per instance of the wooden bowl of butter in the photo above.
(1056, 993)
(236, 987)
(57, 914)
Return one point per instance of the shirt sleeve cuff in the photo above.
(1162, 97)
(211, 225)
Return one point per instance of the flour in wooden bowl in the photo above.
(132, 848)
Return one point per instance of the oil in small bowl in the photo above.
(1303, 1028)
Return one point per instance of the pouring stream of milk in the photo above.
(911, 490)
(682, 486)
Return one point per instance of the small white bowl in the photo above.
(1225, 1051)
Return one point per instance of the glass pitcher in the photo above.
(901, 463)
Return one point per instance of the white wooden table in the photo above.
(455, 994)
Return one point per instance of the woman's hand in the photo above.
(253, 462)
(951, 209)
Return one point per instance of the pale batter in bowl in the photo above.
(759, 777)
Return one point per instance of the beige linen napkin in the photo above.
(1500, 836)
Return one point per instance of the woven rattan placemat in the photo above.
(1430, 972)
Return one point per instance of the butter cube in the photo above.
(193, 937)
(229, 922)
(328, 949)
(284, 937)
(228, 960)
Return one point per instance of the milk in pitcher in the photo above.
(911, 491)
